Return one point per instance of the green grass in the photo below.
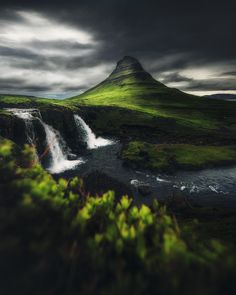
(140, 92)
(166, 157)
(161, 101)
(14, 101)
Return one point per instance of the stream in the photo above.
(209, 187)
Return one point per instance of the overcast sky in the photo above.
(59, 50)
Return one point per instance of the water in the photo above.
(57, 149)
(56, 146)
(206, 187)
(89, 137)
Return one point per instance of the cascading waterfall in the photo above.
(59, 161)
(89, 137)
(28, 119)
(55, 143)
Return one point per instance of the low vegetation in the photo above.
(21, 101)
(57, 240)
(171, 157)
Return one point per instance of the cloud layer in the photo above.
(62, 50)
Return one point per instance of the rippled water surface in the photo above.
(207, 187)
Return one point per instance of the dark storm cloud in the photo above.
(59, 44)
(212, 85)
(26, 58)
(164, 35)
(7, 82)
(175, 77)
(233, 73)
(21, 53)
(149, 27)
(21, 84)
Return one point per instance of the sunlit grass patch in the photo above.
(166, 157)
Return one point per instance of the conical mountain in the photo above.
(130, 67)
(128, 83)
(151, 105)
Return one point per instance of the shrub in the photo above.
(56, 240)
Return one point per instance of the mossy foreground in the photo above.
(171, 157)
(57, 240)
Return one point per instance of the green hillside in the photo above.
(24, 101)
(130, 86)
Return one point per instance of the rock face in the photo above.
(61, 119)
(12, 128)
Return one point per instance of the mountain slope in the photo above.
(130, 71)
(130, 81)
(130, 86)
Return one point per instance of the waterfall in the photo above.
(28, 119)
(55, 143)
(89, 137)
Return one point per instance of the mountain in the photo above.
(223, 96)
(129, 82)
(130, 67)
(130, 88)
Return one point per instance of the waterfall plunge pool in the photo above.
(55, 145)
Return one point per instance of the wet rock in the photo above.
(134, 182)
(12, 128)
(98, 183)
(144, 189)
(72, 157)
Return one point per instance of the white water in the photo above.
(90, 138)
(59, 161)
(161, 179)
(29, 127)
(55, 143)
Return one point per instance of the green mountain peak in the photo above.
(130, 85)
(128, 63)
(129, 67)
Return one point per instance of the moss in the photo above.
(64, 241)
(166, 157)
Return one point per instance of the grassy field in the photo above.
(21, 101)
(167, 157)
